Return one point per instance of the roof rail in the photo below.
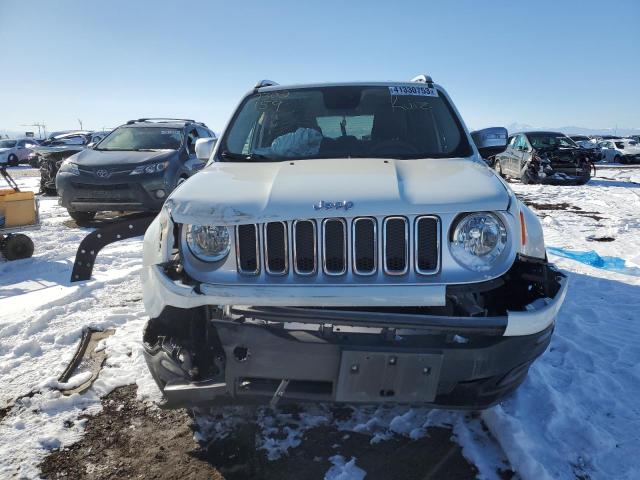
(264, 83)
(422, 78)
(160, 119)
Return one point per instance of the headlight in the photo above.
(478, 240)
(150, 168)
(69, 167)
(207, 242)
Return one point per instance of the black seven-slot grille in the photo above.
(337, 245)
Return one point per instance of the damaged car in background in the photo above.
(135, 168)
(49, 155)
(545, 157)
(346, 243)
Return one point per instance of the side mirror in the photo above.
(204, 148)
(91, 144)
(490, 141)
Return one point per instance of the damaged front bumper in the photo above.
(200, 353)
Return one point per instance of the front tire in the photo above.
(81, 217)
(13, 161)
(498, 168)
(619, 159)
(17, 247)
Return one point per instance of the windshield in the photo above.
(342, 122)
(547, 140)
(7, 143)
(142, 138)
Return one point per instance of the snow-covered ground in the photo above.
(576, 415)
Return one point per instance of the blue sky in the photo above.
(545, 63)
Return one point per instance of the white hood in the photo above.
(242, 192)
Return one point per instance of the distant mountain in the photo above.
(13, 134)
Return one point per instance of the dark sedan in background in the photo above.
(545, 157)
(133, 169)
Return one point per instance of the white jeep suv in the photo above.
(346, 243)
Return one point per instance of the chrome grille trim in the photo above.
(344, 246)
(354, 249)
(265, 236)
(315, 248)
(384, 246)
(416, 245)
(257, 251)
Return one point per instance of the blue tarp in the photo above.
(613, 264)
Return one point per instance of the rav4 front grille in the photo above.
(333, 247)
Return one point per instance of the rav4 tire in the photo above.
(619, 159)
(498, 168)
(81, 217)
(16, 247)
(13, 161)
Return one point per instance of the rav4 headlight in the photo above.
(478, 240)
(208, 243)
(150, 168)
(69, 167)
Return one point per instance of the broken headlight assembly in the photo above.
(208, 243)
(478, 240)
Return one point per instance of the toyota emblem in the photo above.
(102, 173)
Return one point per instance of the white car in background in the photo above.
(14, 152)
(346, 243)
(620, 150)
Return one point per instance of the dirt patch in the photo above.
(131, 440)
(563, 206)
(591, 238)
(3, 412)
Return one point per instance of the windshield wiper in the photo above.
(249, 157)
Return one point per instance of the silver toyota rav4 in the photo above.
(346, 243)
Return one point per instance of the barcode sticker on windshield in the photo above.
(413, 90)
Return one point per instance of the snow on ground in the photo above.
(576, 415)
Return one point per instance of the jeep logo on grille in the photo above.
(102, 173)
(324, 205)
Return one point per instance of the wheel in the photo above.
(498, 168)
(81, 217)
(619, 159)
(13, 161)
(16, 247)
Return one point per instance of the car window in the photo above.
(520, 142)
(512, 141)
(142, 138)
(192, 136)
(345, 122)
(550, 140)
(620, 145)
(203, 132)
